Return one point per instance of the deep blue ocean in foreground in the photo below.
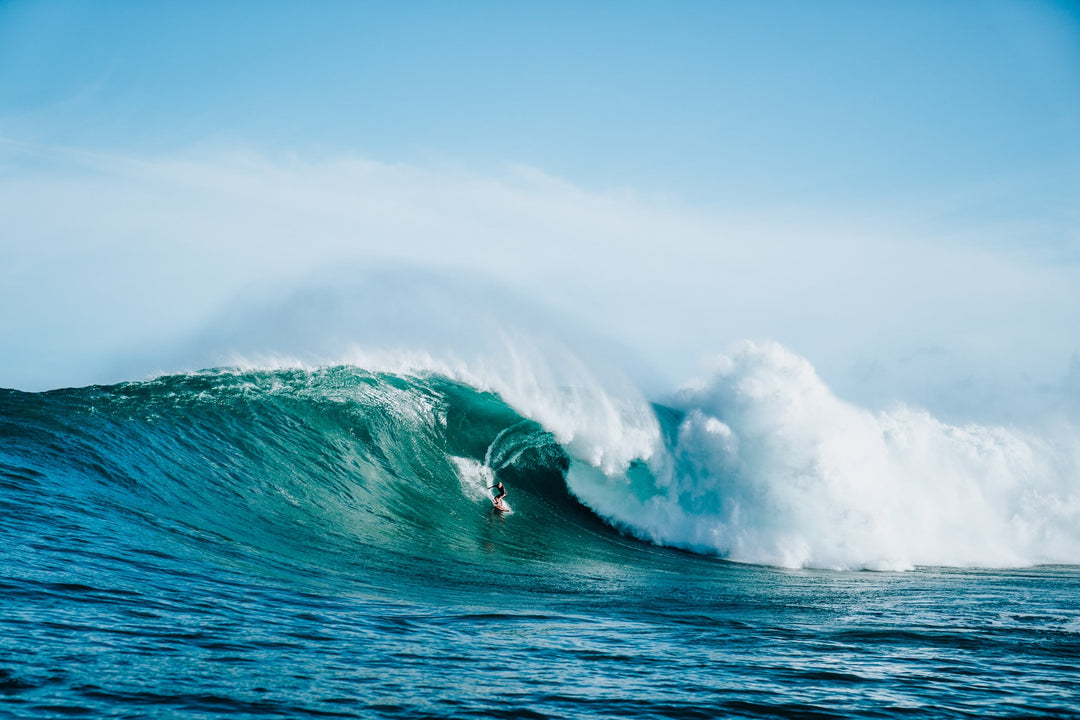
(299, 543)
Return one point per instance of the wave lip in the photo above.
(765, 465)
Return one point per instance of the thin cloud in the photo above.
(106, 253)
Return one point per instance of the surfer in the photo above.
(498, 501)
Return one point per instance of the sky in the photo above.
(890, 190)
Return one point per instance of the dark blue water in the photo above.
(296, 544)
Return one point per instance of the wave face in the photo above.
(334, 469)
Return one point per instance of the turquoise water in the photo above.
(318, 543)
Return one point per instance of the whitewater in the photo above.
(287, 536)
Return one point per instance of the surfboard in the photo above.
(500, 505)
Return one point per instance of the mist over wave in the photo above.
(760, 462)
(588, 391)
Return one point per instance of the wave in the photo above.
(352, 468)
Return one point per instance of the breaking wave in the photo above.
(759, 463)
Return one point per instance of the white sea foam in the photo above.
(769, 466)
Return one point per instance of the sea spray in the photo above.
(601, 418)
(400, 321)
(768, 466)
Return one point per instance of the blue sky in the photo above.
(832, 102)
(889, 189)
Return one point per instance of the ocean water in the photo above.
(319, 542)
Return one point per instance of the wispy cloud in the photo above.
(102, 254)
